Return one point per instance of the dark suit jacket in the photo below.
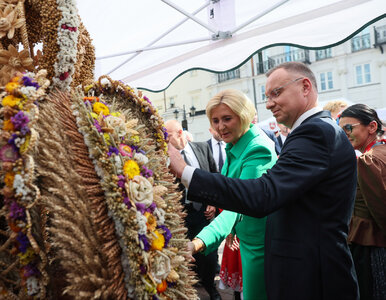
(279, 140)
(308, 197)
(196, 220)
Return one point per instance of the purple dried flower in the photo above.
(30, 270)
(147, 100)
(151, 207)
(28, 82)
(11, 141)
(23, 242)
(143, 269)
(166, 233)
(165, 133)
(141, 207)
(146, 172)
(126, 200)
(17, 212)
(143, 238)
(97, 126)
(19, 120)
(112, 150)
(121, 181)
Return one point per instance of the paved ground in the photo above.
(226, 294)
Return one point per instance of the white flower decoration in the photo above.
(141, 159)
(139, 189)
(160, 267)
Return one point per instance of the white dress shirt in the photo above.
(215, 149)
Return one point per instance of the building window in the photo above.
(361, 41)
(172, 102)
(363, 74)
(262, 93)
(326, 81)
(323, 54)
(228, 75)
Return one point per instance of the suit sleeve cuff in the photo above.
(187, 175)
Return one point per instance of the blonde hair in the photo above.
(237, 101)
(335, 105)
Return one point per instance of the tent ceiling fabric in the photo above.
(124, 26)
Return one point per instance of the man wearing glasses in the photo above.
(308, 195)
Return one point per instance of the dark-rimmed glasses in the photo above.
(349, 127)
(277, 91)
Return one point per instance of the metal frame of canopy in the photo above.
(174, 66)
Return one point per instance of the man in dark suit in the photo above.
(308, 195)
(197, 155)
(217, 146)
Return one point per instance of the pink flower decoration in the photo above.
(125, 150)
(8, 154)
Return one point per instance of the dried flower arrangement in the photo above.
(130, 160)
(19, 113)
(68, 54)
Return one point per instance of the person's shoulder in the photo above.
(201, 145)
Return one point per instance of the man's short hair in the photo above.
(298, 68)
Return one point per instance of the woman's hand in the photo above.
(232, 242)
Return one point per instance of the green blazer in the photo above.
(249, 158)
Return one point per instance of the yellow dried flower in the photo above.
(159, 242)
(99, 108)
(131, 169)
(10, 101)
(9, 178)
(10, 86)
(151, 221)
(8, 125)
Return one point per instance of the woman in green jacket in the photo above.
(250, 153)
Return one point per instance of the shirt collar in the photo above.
(237, 149)
(305, 115)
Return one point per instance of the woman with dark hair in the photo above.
(367, 235)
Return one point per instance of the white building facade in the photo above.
(354, 70)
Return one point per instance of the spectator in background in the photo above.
(283, 133)
(269, 133)
(198, 215)
(217, 145)
(335, 107)
(367, 233)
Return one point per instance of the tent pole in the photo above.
(268, 10)
(213, 30)
(159, 38)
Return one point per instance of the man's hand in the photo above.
(210, 212)
(177, 163)
(190, 250)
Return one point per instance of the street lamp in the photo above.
(184, 122)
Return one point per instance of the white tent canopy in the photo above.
(140, 30)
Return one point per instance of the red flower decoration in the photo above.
(64, 76)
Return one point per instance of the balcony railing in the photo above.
(264, 66)
(323, 54)
(380, 35)
(300, 55)
(360, 42)
(221, 77)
